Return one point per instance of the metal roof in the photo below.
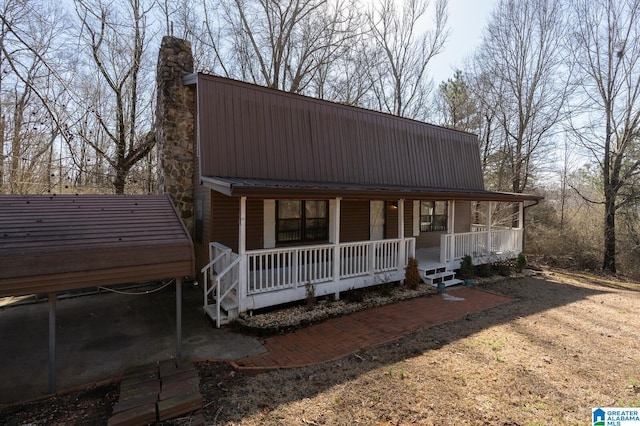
(252, 132)
(263, 188)
(62, 242)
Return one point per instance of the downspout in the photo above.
(524, 219)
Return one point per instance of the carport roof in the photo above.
(62, 242)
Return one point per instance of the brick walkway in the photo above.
(338, 337)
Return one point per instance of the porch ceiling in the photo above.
(264, 188)
(62, 242)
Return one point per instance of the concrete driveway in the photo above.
(98, 336)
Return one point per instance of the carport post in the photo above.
(179, 317)
(52, 342)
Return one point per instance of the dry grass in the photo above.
(566, 345)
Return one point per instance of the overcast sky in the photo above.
(467, 18)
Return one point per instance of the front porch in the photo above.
(270, 277)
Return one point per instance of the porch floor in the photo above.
(342, 336)
(428, 257)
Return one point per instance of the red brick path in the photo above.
(338, 337)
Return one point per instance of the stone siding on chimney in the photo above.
(176, 113)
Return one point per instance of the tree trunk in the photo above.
(609, 263)
(119, 181)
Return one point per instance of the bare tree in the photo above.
(28, 86)
(114, 37)
(522, 83)
(284, 45)
(605, 42)
(401, 83)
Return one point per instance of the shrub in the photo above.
(310, 290)
(484, 270)
(411, 274)
(521, 262)
(467, 270)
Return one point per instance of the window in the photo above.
(302, 220)
(433, 216)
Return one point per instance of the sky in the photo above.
(467, 18)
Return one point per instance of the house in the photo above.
(292, 194)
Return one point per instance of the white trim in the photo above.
(521, 215)
(451, 213)
(402, 249)
(336, 241)
(269, 224)
(416, 218)
(242, 250)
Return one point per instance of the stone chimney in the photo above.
(176, 126)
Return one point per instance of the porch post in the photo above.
(52, 342)
(401, 248)
(521, 215)
(521, 225)
(178, 317)
(451, 219)
(489, 213)
(336, 243)
(242, 250)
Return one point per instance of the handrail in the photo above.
(225, 253)
(210, 264)
(228, 268)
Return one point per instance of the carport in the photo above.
(50, 244)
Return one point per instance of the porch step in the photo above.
(449, 283)
(439, 277)
(228, 308)
(211, 311)
(434, 274)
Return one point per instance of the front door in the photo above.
(376, 220)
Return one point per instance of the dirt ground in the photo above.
(567, 344)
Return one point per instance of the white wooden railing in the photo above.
(501, 243)
(221, 276)
(282, 268)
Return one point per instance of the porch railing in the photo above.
(499, 243)
(275, 269)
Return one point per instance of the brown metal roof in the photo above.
(62, 242)
(289, 189)
(252, 132)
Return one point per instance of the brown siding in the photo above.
(354, 220)
(225, 214)
(247, 131)
(255, 227)
(463, 216)
(225, 218)
(408, 218)
(462, 223)
(202, 248)
(391, 221)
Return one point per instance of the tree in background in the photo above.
(400, 81)
(115, 98)
(458, 106)
(605, 43)
(283, 45)
(31, 35)
(521, 81)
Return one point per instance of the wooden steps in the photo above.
(228, 309)
(434, 275)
